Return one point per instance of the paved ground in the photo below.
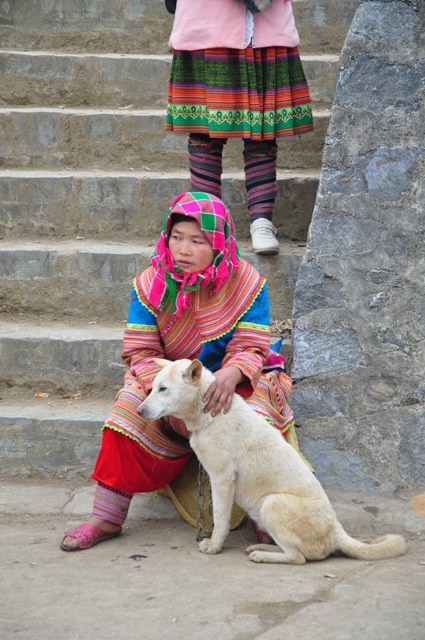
(153, 584)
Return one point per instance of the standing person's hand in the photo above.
(220, 393)
(257, 5)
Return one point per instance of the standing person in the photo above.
(237, 73)
(199, 299)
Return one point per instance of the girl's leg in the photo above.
(261, 187)
(122, 469)
(205, 163)
(110, 508)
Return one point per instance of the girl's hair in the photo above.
(180, 217)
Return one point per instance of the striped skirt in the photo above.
(256, 94)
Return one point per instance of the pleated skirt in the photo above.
(256, 94)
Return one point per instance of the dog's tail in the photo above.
(388, 546)
(418, 504)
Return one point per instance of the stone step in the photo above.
(125, 26)
(134, 26)
(126, 205)
(324, 24)
(65, 358)
(52, 79)
(91, 280)
(51, 437)
(52, 138)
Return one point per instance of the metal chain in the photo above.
(200, 521)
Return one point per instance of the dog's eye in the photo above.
(162, 387)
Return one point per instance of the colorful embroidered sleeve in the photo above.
(249, 345)
(141, 342)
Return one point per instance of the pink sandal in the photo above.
(88, 536)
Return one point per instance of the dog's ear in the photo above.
(194, 371)
(161, 362)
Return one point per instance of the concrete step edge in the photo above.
(71, 246)
(58, 53)
(316, 57)
(67, 330)
(84, 111)
(282, 174)
(287, 247)
(124, 111)
(74, 499)
(29, 497)
(53, 408)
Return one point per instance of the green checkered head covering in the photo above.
(171, 286)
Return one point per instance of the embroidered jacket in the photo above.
(228, 327)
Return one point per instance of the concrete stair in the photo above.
(128, 205)
(71, 80)
(86, 174)
(95, 272)
(120, 139)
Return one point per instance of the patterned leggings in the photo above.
(205, 164)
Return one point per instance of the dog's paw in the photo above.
(207, 546)
(253, 547)
(256, 556)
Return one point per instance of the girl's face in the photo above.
(189, 247)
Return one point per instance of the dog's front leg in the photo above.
(223, 493)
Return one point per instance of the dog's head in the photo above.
(177, 390)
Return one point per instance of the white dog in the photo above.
(249, 462)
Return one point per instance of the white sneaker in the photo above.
(263, 235)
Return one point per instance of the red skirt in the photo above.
(124, 465)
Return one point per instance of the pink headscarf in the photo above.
(171, 286)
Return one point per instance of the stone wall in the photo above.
(359, 311)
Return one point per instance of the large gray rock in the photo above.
(359, 311)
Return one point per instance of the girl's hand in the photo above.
(220, 393)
